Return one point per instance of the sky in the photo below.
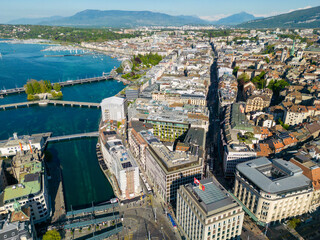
(205, 9)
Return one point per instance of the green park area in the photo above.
(42, 89)
(138, 65)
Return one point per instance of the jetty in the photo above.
(105, 77)
(52, 102)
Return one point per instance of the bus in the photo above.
(172, 221)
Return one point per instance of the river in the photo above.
(83, 183)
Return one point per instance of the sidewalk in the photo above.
(293, 232)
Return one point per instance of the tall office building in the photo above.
(209, 212)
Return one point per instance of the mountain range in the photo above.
(235, 19)
(117, 18)
(306, 18)
(34, 21)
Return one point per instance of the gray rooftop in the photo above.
(195, 138)
(238, 118)
(214, 198)
(14, 230)
(274, 176)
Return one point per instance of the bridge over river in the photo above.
(73, 136)
(52, 102)
(71, 83)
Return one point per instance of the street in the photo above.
(143, 221)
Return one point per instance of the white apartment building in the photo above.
(123, 167)
(208, 214)
(114, 108)
(14, 144)
(295, 114)
(235, 154)
(273, 190)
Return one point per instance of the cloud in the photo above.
(292, 10)
(214, 18)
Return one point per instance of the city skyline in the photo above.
(204, 9)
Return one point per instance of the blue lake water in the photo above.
(83, 181)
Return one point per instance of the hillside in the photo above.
(117, 18)
(235, 19)
(33, 21)
(306, 18)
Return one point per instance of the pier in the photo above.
(71, 83)
(52, 102)
(73, 136)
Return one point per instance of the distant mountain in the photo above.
(235, 19)
(306, 18)
(117, 18)
(34, 21)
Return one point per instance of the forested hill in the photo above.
(306, 18)
(61, 34)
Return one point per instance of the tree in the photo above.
(293, 223)
(58, 95)
(29, 88)
(259, 80)
(285, 126)
(269, 49)
(43, 87)
(137, 60)
(57, 87)
(277, 85)
(119, 70)
(243, 78)
(267, 60)
(36, 86)
(52, 235)
(235, 71)
(48, 85)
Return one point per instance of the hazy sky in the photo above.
(206, 9)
